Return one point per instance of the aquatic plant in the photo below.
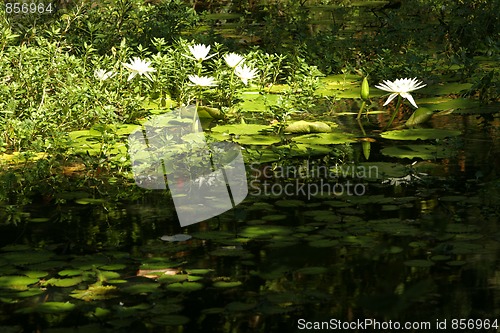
(139, 66)
(400, 88)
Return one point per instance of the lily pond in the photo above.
(372, 199)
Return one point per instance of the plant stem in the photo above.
(195, 112)
(361, 109)
(396, 110)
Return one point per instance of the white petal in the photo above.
(410, 99)
(148, 76)
(131, 76)
(391, 97)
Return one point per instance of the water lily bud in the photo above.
(365, 89)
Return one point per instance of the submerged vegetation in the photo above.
(357, 208)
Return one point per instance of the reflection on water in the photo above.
(421, 250)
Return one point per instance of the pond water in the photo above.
(417, 242)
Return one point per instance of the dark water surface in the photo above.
(408, 249)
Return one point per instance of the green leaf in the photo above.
(420, 116)
(308, 127)
(419, 134)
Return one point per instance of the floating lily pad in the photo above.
(36, 274)
(30, 292)
(440, 257)
(420, 134)
(170, 320)
(39, 219)
(173, 278)
(141, 288)
(70, 272)
(231, 251)
(263, 140)
(333, 138)
(89, 201)
(289, 203)
(112, 267)
(176, 238)
(275, 217)
(324, 243)
(27, 258)
(303, 126)
(240, 129)
(313, 270)
(54, 307)
(94, 292)
(418, 263)
(199, 271)
(240, 306)
(456, 263)
(418, 151)
(17, 282)
(440, 103)
(264, 231)
(227, 284)
(185, 286)
(212, 235)
(69, 282)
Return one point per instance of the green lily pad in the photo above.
(173, 278)
(333, 138)
(231, 251)
(94, 292)
(240, 129)
(176, 238)
(30, 292)
(263, 140)
(440, 257)
(112, 267)
(439, 103)
(240, 306)
(303, 126)
(456, 263)
(17, 282)
(141, 288)
(54, 307)
(289, 203)
(313, 270)
(69, 282)
(89, 201)
(418, 263)
(227, 284)
(324, 243)
(70, 272)
(420, 116)
(264, 231)
(27, 258)
(185, 287)
(418, 151)
(170, 320)
(36, 274)
(199, 271)
(419, 134)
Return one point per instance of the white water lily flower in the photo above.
(401, 87)
(245, 73)
(102, 75)
(233, 59)
(202, 81)
(200, 52)
(139, 66)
